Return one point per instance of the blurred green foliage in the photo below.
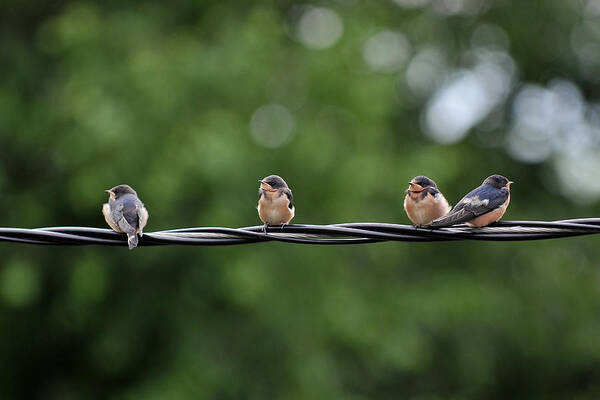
(161, 96)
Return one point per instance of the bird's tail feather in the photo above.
(132, 240)
(452, 218)
(436, 224)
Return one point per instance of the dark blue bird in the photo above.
(481, 206)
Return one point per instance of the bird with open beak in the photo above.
(423, 201)
(125, 213)
(482, 206)
(275, 202)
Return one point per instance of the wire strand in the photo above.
(334, 234)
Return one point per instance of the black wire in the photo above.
(333, 234)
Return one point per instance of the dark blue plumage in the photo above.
(481, 206)
(130, 203)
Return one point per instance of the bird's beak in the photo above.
(108, 191)
(411, 183)
(261, 181)
(265, 186)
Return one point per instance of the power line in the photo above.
(345, 233)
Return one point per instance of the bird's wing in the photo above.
(477, 202)
(109, 218)
(290, 197)
(116, 213)
(142, 214)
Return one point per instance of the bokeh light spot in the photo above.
(528, 145)
(319, 28)
(455, 108)
(425, 71)
(412, 3)
(386, 51)
(553, 120)
(458, 7)
(272, 125)
(578, 176)
(469, 96)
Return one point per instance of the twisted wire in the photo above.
(333, 234)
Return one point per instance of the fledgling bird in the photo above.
(275, 202)
(125, 213)
(424, 202)
(481, 206)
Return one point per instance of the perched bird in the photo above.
(275, 198)
(481, 206)
(125, 213)
(423, 201)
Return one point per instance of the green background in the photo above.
(192, 102)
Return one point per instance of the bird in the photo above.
(275, 202)
(125, 213)
(424, 202)
(481, 206)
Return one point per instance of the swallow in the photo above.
(275, 202)
(125, 213)
(481, 206)
(424, 202)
